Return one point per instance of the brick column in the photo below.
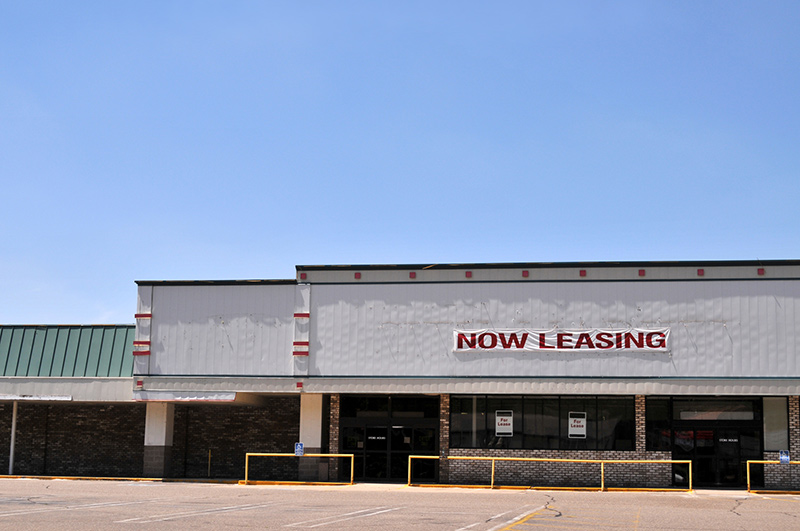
(444, 438)
(641, 431)
(333, 436)
(794, 427)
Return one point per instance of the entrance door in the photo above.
(719, 455)
(383, 431)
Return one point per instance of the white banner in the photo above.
(556, 340)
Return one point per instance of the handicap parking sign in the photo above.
(298, 449)
(784, 457)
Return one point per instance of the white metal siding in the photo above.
(719, 328)
(222, 330)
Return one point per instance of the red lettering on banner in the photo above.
(564, 340)
(656, 339)
(492, 338)
(604, 340)
(514, 340)
(542, 343)
(584, 339)
(471, 341)
(637, 340)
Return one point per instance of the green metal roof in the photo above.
(66, 351)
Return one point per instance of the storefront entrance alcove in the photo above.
(382, 431)
(719, 436)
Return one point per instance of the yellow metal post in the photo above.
(748, 476)
(602, 476)
(246, 466)
(493, 461)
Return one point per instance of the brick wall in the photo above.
(74, 439)
(228, 432)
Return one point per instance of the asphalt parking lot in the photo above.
(72, 505)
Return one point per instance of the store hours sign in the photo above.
(556, 340)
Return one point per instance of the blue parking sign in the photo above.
(784, 457)
(298, 449)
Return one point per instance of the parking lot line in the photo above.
(70, 508)
(343, 517)
(189, 514)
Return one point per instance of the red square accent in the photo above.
(299, 385)
(412, 275)
(583, 272)
(139, 383)
(468, 274)
(525, 274)
(761, 271)
(303, 276)
(641, 272)
(358, 276)
(701, 272)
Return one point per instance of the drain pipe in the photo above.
(13, 438)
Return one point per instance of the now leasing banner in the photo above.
(652, 340)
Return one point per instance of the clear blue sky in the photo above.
(229, 140)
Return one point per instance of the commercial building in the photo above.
(657, 360)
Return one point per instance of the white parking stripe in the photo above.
(71, 508)
(189, 514)
(335, 519)
(359, 516)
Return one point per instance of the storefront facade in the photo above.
(647, 361)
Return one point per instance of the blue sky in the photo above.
(230, 140)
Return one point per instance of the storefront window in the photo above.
(776, 424)
(364, 406)
(615, 424)
(513, 404)
(541, 423)
(577, 423)
(713, 409)
(659, 434)
(467, 421)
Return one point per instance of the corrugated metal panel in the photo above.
(719, 329)
(66, 351)
(222, 329)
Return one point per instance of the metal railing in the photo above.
(247, 457)
(759, 462)
(601, 462)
